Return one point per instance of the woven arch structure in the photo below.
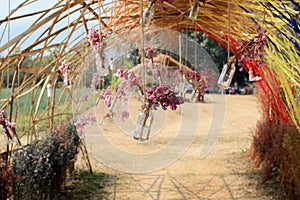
(58, 31)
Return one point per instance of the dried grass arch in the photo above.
(59, 32)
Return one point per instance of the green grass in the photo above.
(24, 104)
(63, 107)
(86, 186)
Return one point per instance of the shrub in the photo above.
(41, 168)
(275, 148)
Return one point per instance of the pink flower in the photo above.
(255, 51)
(11, 125)
(150, 52)
(95, 37)
(106, 92)
(65, 67)
(91, 118)
(107, 115)
(163, 95)
(124, 73)
(83, 121)
(80, 126)
(108, 100)
(151, 97)
(2, 117)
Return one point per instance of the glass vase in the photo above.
(144, 124)
(66, 80)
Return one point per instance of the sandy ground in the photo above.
(169, 165)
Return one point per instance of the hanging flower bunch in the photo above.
(2, 117)
(162, 95)
(107, 96)
(96, 37)
(196, 78)
(5, 123)
(130, 78)
(83, 121)
(65, 68)
(8, 126)
(253, 50)
(157, 94)
(198, 81)
(150, 52)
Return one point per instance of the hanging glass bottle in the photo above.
(66, 80)
(145, 120)
(194, 10)
(49, 90)
(147, 15)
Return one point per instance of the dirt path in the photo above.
(222, 174)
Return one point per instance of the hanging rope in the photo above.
(8, 39)
(228, 30)
(142, 45)
(68, 2)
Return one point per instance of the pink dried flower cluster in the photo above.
(130, 77)
(65, 67)
(11, 125)
(5, 123)
(2, 117)
(83, 121)
(164, 96)
(95, 37)
(107, 96)
(254, 50)
(124, 73)
(202, 86)
(150, 52)
(195, 77)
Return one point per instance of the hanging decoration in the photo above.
(96, 38)
(147, 15)
(227, 73)
(154, 94)
(49, 89)
(65, 69)
(9, 129)
(198, 83)
(253, 49)
(194, 10)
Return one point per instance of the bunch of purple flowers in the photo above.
(164, 96)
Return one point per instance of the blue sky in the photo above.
(20, 25)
